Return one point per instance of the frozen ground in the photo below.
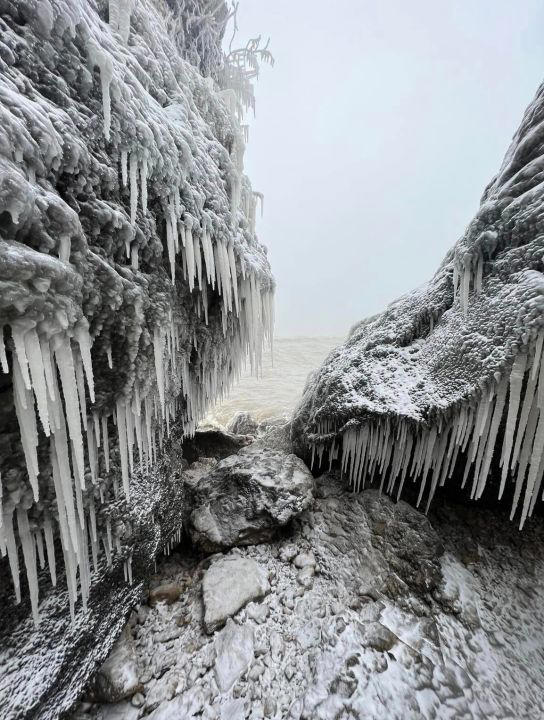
(371, 611)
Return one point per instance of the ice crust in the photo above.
(449, 378)
(132, 284)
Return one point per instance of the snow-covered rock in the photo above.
(246, 498)
(243, 424)
(408, 617)
(229, 585)
(118, 678)
(167, 593)
(234, 652)
(447, 382)
(132, 286)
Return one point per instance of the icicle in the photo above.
(158, 347)
(493, 430)
(84, 341)
(105, 442)
(39, 547)
(190, 257)
(479, 276)
(80, 382)
(65, 364)
(123, 450)
(198, 259)
(525, 454)
(516, 382)
(18, 333)
(29, 554)
(34, 355)
(24, 410)
(143, 181)
(102, 59)
(50, 547)
(133, 163)
(124, 167)
(12, 552)
(536, 459)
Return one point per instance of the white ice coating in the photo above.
(397, 451)
(100, 58)
(48, 356)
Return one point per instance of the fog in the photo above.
(376, 133)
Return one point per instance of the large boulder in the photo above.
(246, 498)
(230, 584)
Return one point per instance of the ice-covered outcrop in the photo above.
(449, 380)
(132, 287)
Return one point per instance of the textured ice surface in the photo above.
(132, 287)
(432, 380)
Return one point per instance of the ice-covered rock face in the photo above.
(132, 285)
(449, 379)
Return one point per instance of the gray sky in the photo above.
(376, 133)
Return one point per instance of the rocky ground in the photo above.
(355, 607)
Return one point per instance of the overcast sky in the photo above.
(376, 133)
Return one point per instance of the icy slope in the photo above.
(132, 285)
(449, 379)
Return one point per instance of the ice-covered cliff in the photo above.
(449, 381)
(132, 287)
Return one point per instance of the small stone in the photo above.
(288, 552)
(305, 577)
(258, 612)
(256, 671)
(262, 646)
(164, 593)
(288, 601)
(302, 560)
(270, 706)
(378, 637)
(137, 700)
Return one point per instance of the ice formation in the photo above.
(448, 382)
(132, 285)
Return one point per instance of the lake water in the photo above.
(279, 389)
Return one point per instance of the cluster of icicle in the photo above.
(397, 450)
(141, 421)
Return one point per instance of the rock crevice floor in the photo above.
(360, 608)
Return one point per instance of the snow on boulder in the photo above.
(246, 498)
(448, 382)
